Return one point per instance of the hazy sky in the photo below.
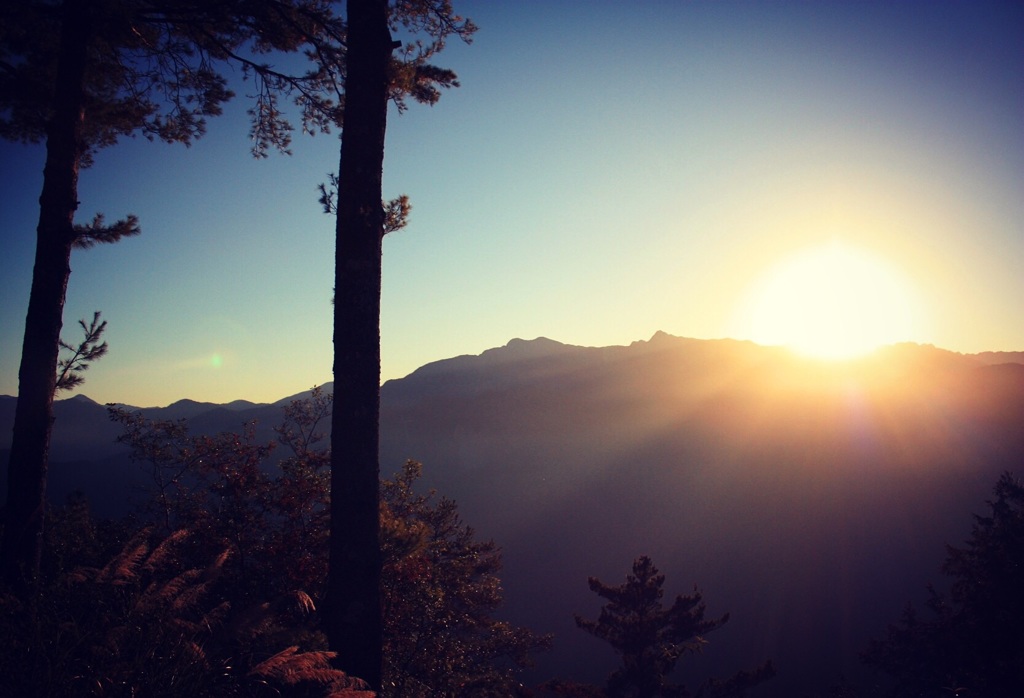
(606, 170)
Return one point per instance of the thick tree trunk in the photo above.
(353, 609)
(21, 544)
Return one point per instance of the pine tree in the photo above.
(372, 77)
(972, 638)
(77, 75)
(652, 638)
(353, 616)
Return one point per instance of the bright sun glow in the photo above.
(830, 302)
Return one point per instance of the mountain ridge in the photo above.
(518, 349)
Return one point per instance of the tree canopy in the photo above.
(156, 68)
(78, 75)
(971, 639)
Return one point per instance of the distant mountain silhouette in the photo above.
(812, 500)
(188, 409)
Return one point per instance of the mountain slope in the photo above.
(810, 500)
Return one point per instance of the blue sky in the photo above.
(605, 171)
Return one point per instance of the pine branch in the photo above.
(328, 195)
(88, 351)
(96, 232)
(396, 214)
(396, 211)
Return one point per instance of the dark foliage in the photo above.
(152, 68)
(971, 639)
(651, 639)
(441, 589)
(126, 614)
(440, 586)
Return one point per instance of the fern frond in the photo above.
(275, 666)
(184, 627)
(80, 575)
(215, 616)
(189, 597)
(214, 569)
(164, 549)
(359, 690)
(125, 565)
(291, 667)
(126, 569)
(253, 621)
(349, 692)
(168, 593)
(304, 601)
(195, 652)
(113, 640)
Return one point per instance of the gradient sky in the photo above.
(606, 170)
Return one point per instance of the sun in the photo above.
(830, 302)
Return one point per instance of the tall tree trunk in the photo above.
(353, 608)
(21, 544)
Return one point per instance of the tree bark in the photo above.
(21, 544)
(353, 606)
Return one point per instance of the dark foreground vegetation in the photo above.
(213, 588)
(78, 75)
